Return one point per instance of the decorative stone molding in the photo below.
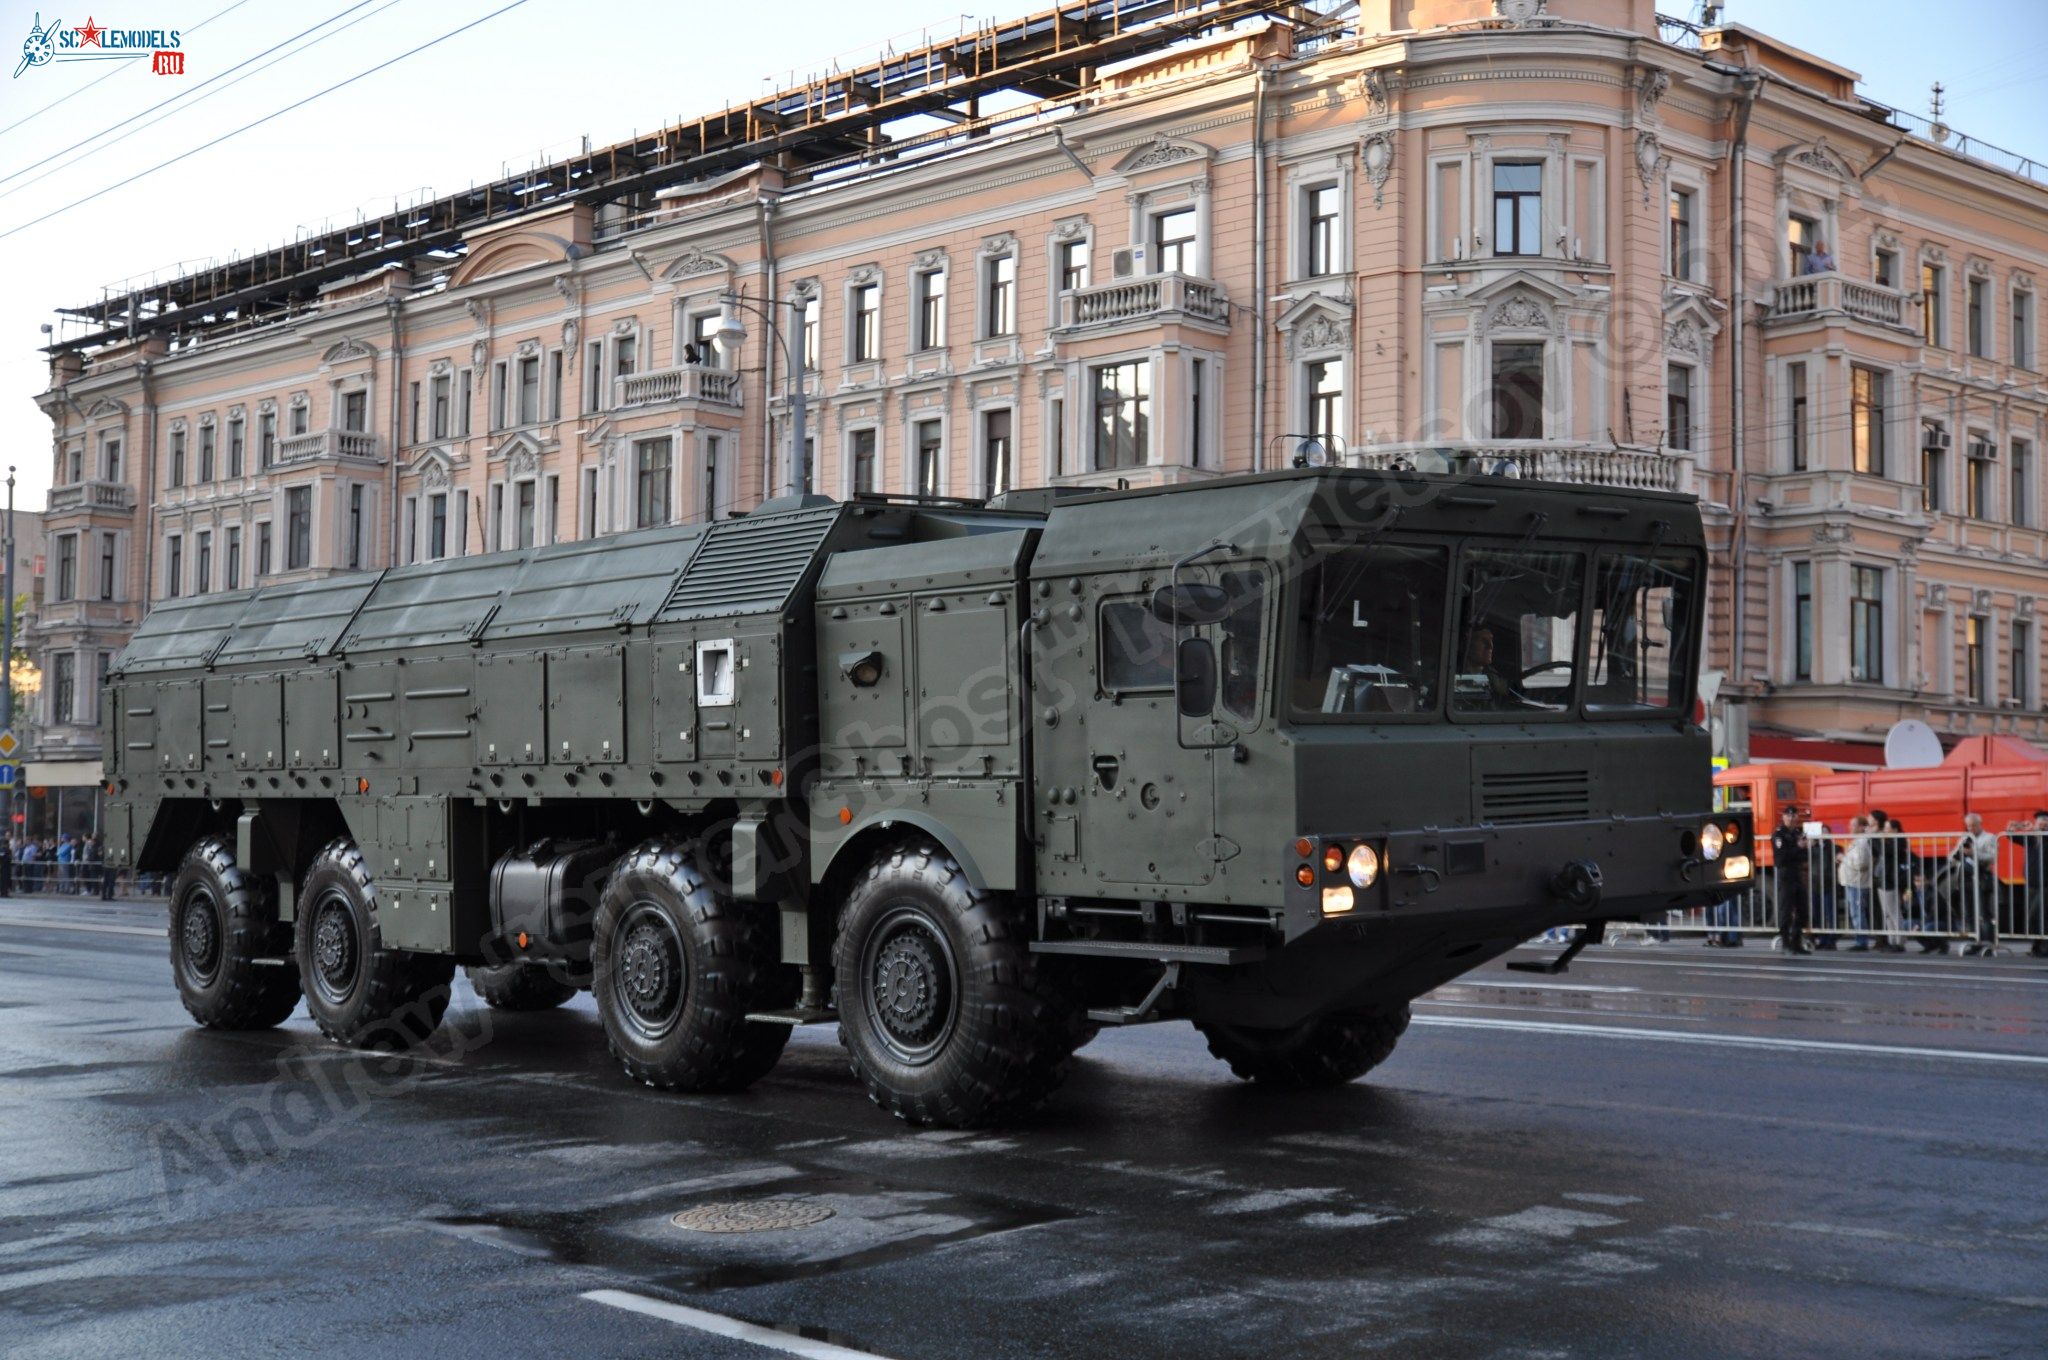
(1070, 229)
(349, 348)
(1833, 533)
(1162, 151)
(527, 349)
(1520, 312)
(1651, 162)
(479, 312)
(1522, 13)
(1980, 601)
(2022, 281)
(626, 325)
(1937, 595)
(1379, 97)
(267, 407)
(177, 425)
(694, 263)
(570, 287)
(1320, 332)
(440, 368)
(479, 352)
(995, 247)
(864, 273)
(523, 461)
(929, 260)
(106, 406)
(804, 289)
(301, 399)
(569, 330)
(1683, 337)
(1822, 158)
(2024, 607)
(1977, 267)
(238, 412)
(1649, 91)
(1934, 253)
(208, 420)
(1377, 155)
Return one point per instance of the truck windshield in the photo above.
(1642, 641)
(1369, 631)
(1518, 631)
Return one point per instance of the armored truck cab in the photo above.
(1275, 754)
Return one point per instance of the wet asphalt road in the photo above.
(1670, 1151)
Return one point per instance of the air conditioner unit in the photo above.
(1935, 437)
(1123, 263)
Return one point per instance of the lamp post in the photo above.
(7, 651)
(731, 334)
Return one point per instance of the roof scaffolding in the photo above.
(1051, 54)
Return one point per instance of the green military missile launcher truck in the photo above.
(1275, 754)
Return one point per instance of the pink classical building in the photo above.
(1602, 246)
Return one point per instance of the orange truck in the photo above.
(1762, 789)
(2002, 779)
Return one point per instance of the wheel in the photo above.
(358, 991)
(948, 1016)
(223, 926)
(1328, 1050)
(518, 986)
(676, 966)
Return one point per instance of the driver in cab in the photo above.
(1480, 685)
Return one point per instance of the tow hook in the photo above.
(1578, 883)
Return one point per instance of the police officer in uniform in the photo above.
(1788, 854)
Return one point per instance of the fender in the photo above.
(896, 819)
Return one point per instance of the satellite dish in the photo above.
(1311, 453)
(1911, 745)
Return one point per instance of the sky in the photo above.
(529, 81)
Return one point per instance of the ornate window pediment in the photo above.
(696, 263)
(520, 454)
(514, 251)
(1163, 151)
(106, 406)
(434, 468)
(1316, 323)
(1818, 157)
(346, 349)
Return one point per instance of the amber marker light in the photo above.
(1303, 848)
(846, 816)
(775, 778)
(1333, 858)
(1305, 876)
(362, 786)
(522, 939)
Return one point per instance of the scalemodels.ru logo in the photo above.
(94, 43)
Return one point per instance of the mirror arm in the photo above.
(1179, 718)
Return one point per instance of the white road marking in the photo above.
(1515, 985)
(1729, 1040)
(1801, 972)
(154, 932)
(718, 1324)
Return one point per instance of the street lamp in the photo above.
(730, 335)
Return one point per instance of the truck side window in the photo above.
(1642, 632)
(1134, 649)
(1241, 634)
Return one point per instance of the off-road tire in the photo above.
(1012, 1029)
(358, 991)
(675, 968)
(518, 986)
(1328, 1050)
(223, 925)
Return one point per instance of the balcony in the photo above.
(117, 497)
(76, 615)
(1628, 469)
(324, 445)
(1148, 300)
(1818, 296)
(691, 382)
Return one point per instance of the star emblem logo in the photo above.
(89, 36)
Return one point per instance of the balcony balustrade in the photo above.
(91, 495)
(1630, 469)
(1149, 298)
(320, 445)
(691, 382)
(1820, 295)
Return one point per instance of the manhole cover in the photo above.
(756, 1215)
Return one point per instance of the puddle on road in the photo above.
(872, 1224)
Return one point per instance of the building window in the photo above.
(1321, 216)
(1866, 420)
(1073, 257)
(1173, 242)
(71, 465)
(263, 555)
(1802, 236)
(704, 341)
(525, 513)
(2021, 508)
(1680, 265)
(358, 526)
(1933, 467)
(2022, 329)
(439, 406)
(67, 567)
(1797, 424)
(202, 564)
(234, 558)
(174, 566)
(1323, 399)
(1976, 678)
(1056, 436)
(652, 466)
(1983, 465)
(999, 302)
(236, 447)
(931, 458)
(1934, 304)
(813, 309)
(931, 309)
(2021, 681)
(266, 439)
(206, 446)
(861, 455)
(298, 528)
(64, 686)
(1678, 407)
(107, 542)
(437, 525)
(110, 460)
(997, 471)
(495, 539)
(1977, 306)
(554, 406)
(864, 323)
(625, 355)
(593, 378)
(1885, 267)
(355, 410)
(412, 407)
(1517, 208)
(1518, 391)
(1123, 405)
(1802, 620)
(302, 416)
(1866, 625)
(177, 459)
(529, 390)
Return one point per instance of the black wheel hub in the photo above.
(649, 971)
(199, 935)
(912, 993)
(336, 956)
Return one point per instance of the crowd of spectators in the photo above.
(68, 866)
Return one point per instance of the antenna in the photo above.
(1935, 108)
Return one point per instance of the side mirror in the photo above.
(1195, 678)
(1190, 604)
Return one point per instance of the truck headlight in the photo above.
(1363, 865)
(1711, 841)
(1735, 867)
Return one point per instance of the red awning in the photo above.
(1840, 754)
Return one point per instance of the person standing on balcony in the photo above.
(1788, 859)
(1818, 261)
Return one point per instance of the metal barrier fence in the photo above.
(80, 878)
(1892, 890)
